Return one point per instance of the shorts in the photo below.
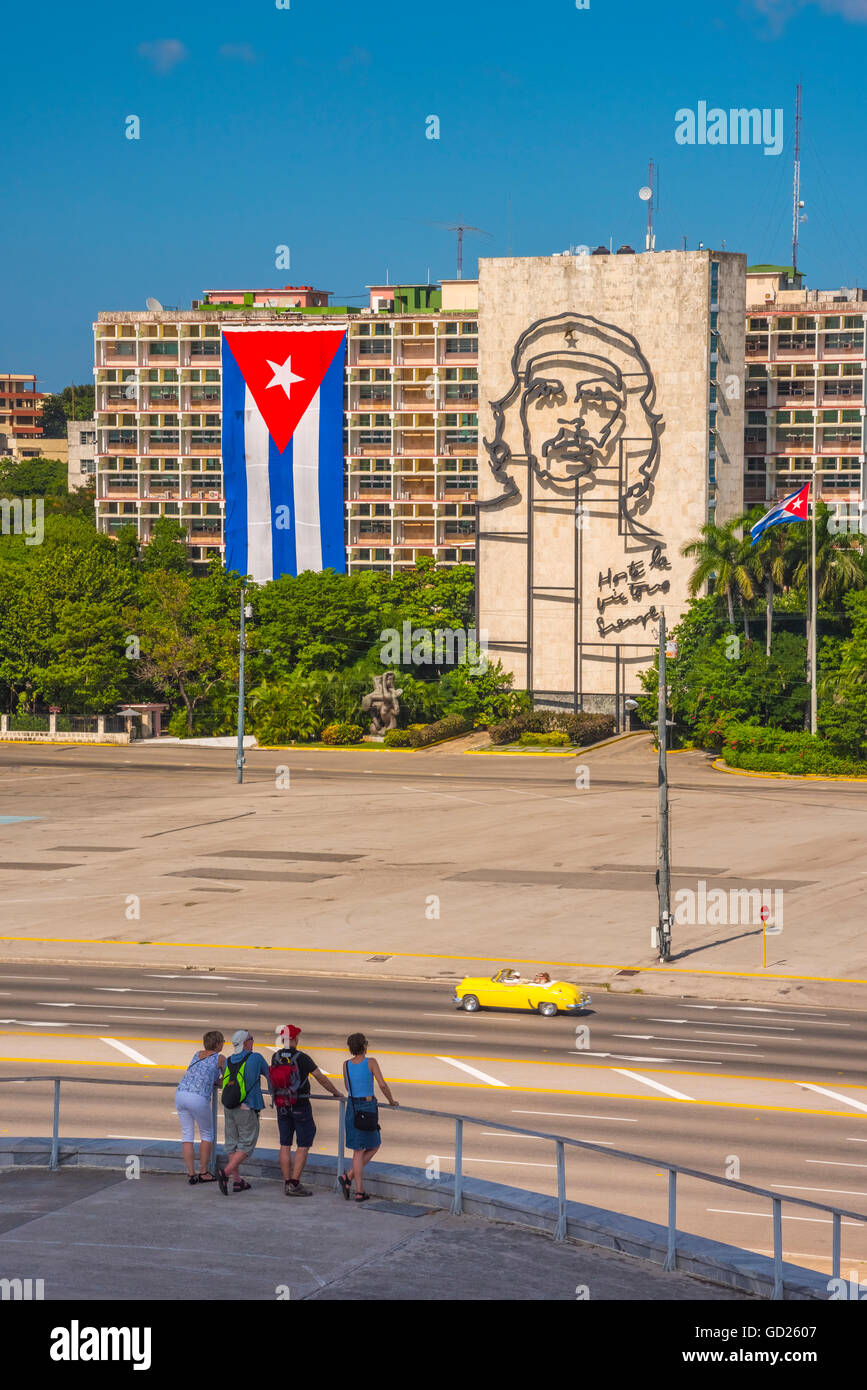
(193, 1110)
(298, 1124)
(242, 1129)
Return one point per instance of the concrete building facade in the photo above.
(410, 424)
(81, 461)
(20, 414)
(805, 402)
(611, 430)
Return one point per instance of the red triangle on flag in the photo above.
(283, 368)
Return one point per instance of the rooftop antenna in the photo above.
(796, 182)
(460, 228)
(646, 196)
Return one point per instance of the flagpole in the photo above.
(814, 612)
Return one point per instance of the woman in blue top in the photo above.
(193, 1103)
(360, 1072)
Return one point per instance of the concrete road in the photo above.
(774, 1095)
(428, 859)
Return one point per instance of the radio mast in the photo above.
(796, 183)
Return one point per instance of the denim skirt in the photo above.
(362, 1138)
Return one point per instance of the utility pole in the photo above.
(663, 867)
(246, 611)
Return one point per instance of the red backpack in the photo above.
(285, 1079)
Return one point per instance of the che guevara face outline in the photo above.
(573, 411)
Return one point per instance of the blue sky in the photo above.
(306, 127)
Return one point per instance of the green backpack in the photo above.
(234, 1085)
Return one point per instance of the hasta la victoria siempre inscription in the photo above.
(580, 414)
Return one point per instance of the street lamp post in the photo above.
(246, 612)
(663, 870)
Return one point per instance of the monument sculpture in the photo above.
(382, 704)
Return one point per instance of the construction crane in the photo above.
(460, 228)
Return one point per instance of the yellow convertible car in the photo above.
(507, 990)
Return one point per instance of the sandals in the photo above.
(241, 1186)
(223, 1180)
(205, 1177)
(193, 1178)
(346, 1183)
(362, 1196)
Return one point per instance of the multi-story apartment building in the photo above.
(81, 441)
(804, 397)
(410, 418)
(21, 413)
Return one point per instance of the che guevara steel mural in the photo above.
(579, 413)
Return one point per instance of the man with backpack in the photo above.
(290, 1073)
(242, 1103)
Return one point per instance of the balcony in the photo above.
(753, 447)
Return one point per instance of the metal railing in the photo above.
(560, 1142)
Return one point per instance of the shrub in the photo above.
(581, 728)
(758, 749)
(342, 734)
(398, 738)
(556, 739)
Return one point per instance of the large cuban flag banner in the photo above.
(283, 450)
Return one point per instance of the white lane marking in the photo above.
(627, 1057)
(768, 1026)
(498, 1134)
(163, 993)
(662, 1037)
(418, 1033)
(834, 1163)
(54, 979)
(835, 1095)
(856, 1141)
(428, 791)
(768, 1216)
(473, 1071)
(840, 1191)
(34, 1022)
(231, 979)
(657, 1085)
(568, 1115)
(744, 1009)
(129, 1052)
(47, 1004)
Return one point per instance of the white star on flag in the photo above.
(283, 376)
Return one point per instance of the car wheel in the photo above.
(470, 1003)
(547, 1009)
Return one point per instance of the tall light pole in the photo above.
(246, 612)
(663, 868)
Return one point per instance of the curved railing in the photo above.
(560, 1142)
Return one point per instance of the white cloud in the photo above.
(240, 51)
(163, 54)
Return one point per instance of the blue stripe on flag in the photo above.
(331, 511)
(282, 510)
(234, 462)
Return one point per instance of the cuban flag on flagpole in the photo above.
(791, 508)
(283, 450)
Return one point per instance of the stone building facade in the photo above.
(611, 428)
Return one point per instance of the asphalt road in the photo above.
(771, 1094)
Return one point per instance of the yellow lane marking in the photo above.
(428, 955)
(474, 1086)
(432, 1057)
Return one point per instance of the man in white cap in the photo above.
(246, 1068)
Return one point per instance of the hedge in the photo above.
(580, 728)
(556, 739)
(342, 734)
(755, 748)
(421, 735)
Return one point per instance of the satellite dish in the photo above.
(645, 194)
(154, 306)
(130, 383)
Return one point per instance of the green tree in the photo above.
(57, 409)
(166, 550)
(721, 557)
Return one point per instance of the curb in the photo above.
(720, 766)
(727, 1266)
(555, 752)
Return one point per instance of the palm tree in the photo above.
(768, 565)
(839, 558)
(721, 556)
